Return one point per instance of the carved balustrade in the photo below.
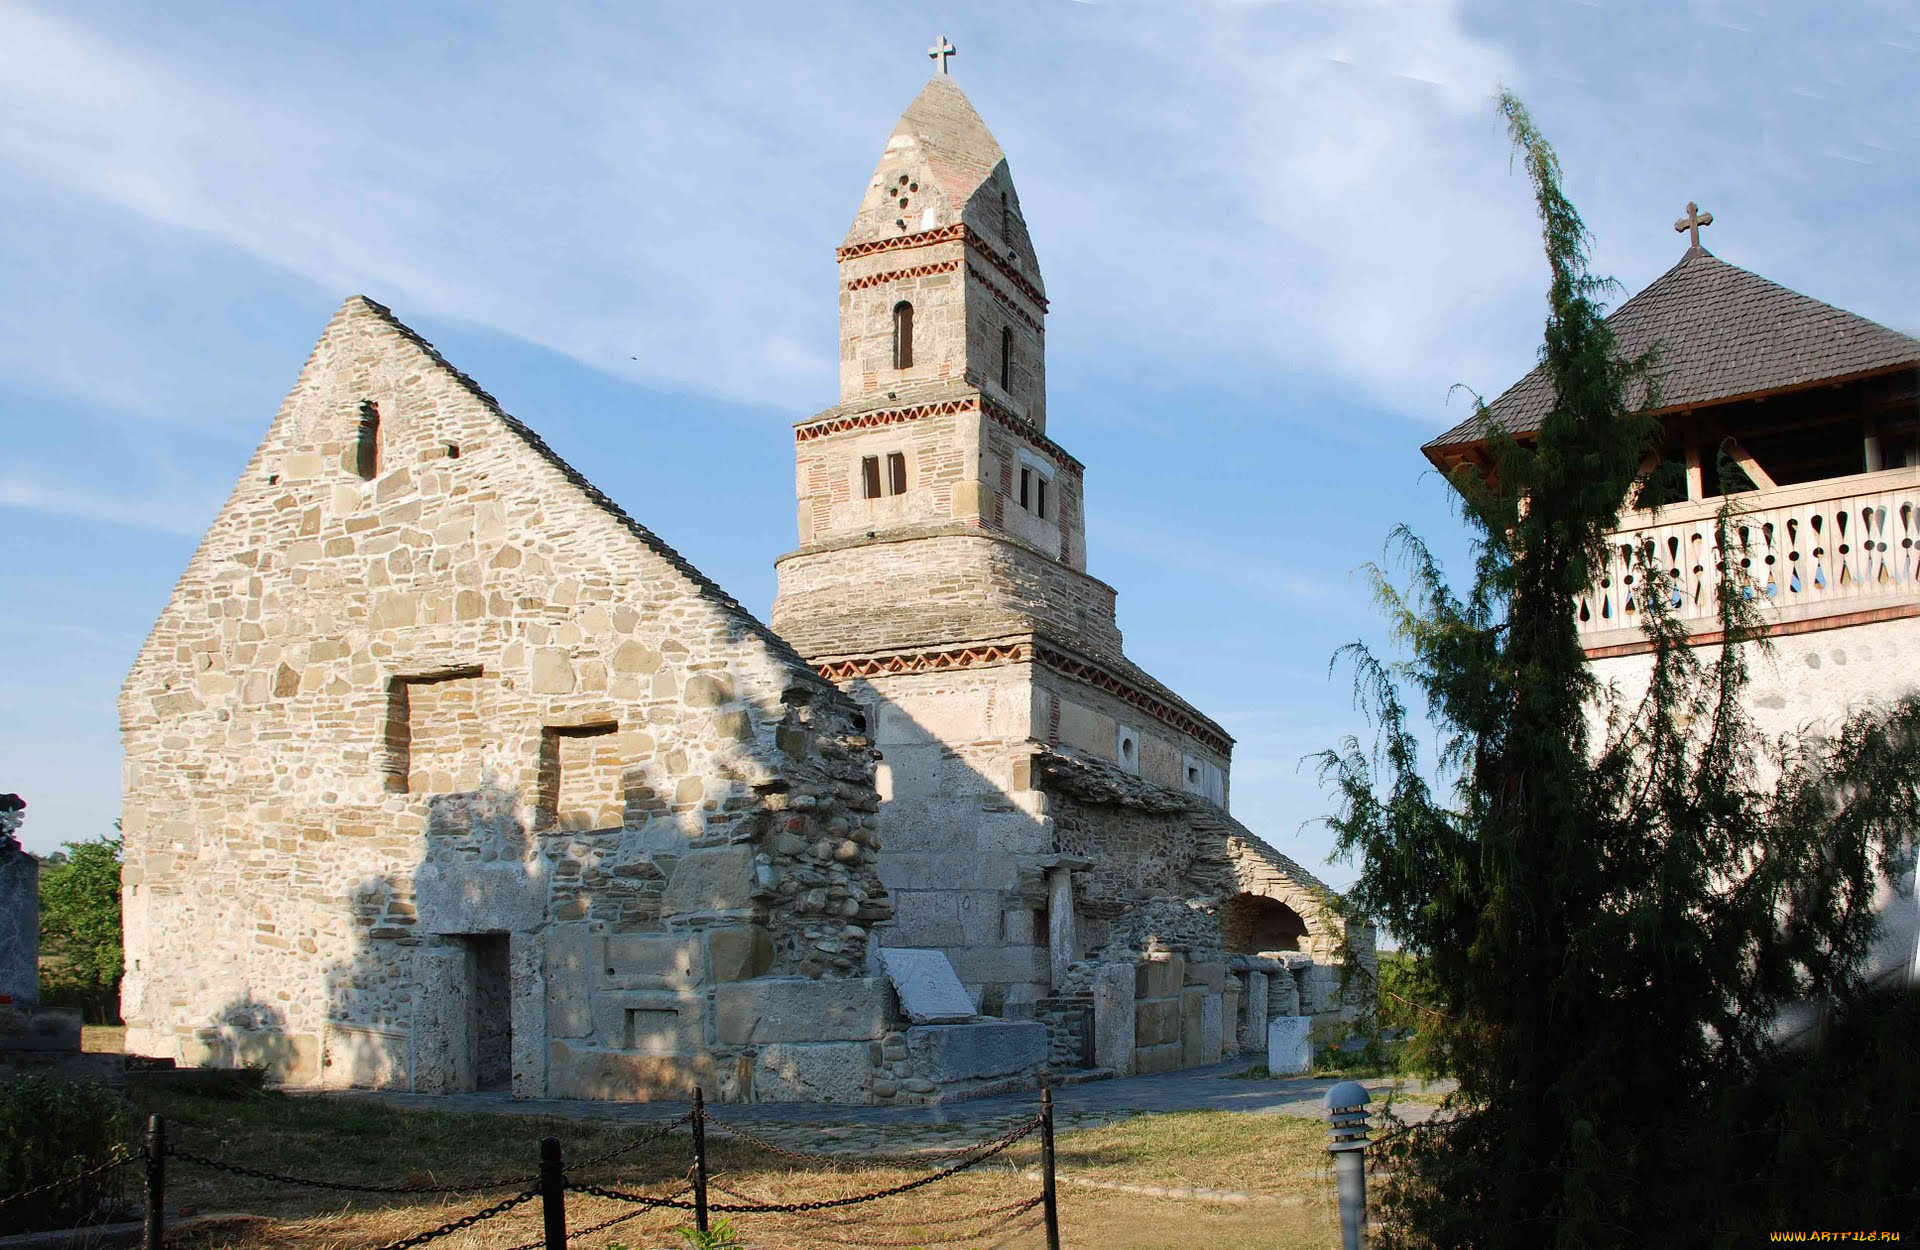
(1832, 547)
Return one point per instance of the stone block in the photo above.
(1230, 1022)
(1113, 1017)
(837, 1072)
(946, 1053)
(1193, 1008)
(570, 971)
(647, 961)
(575, 1071)
(1213, 976)
(1151, 1059)
(929, 990)
(1288, 1047)
(713, 879)
(980, 965)
(926, 918)
(1160, 976)
(707, 690)
(739, 954)
(456, 896)
(795, 1009)
(1156, 1022)
(656, 1022)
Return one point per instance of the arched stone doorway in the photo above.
(1252, 925)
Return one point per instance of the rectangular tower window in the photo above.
(870, 476)
(896, 473)
(1040, 498)
(1026, 486)
(1006, 359)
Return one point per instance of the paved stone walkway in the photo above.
(854, 1129)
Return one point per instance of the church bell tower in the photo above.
(932, 504)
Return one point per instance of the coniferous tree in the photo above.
(1613, 911)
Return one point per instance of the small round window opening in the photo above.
(1126, 749)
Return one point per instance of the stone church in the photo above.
(1808, 417)
(444, 773)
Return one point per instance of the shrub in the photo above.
(51, 1129)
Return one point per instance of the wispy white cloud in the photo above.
(166, 512)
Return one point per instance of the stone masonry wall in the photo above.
(386, 725)
(1813, 681)
(937, 589)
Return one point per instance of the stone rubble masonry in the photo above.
(386, 726)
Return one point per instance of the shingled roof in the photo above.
(1725, 334)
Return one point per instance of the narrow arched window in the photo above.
(903, 335)
(1006, 359)
(366, 447)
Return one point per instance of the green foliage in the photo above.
(80, 927)
(50, 1130)
(720, 1235)
(1607, 920)
(1405, 998)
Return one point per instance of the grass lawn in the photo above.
(1278, 1162)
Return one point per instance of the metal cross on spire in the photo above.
(1691, 223)
(940, 51)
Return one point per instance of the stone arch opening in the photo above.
(1251, 924)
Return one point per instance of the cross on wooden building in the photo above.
(1691, 223)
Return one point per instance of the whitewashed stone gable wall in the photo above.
(289, 902)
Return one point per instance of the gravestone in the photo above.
(930, 991)
(24, 1024)
(1288, 1047)
(19, 911)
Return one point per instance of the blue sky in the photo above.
(1274, 236)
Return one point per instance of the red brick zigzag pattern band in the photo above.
(1079, 670)
(945, 408)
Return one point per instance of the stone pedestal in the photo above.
(1253, 1020)
(1063, 938)
(1288, 1047)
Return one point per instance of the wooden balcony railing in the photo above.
(1817, 549)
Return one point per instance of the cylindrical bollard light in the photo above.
(1347, 1143)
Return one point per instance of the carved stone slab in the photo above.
(930, 991)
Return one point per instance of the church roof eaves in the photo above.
(703, 585)
(1726, 334)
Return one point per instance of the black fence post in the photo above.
(553, 1194)
(154, 1224)
(1047, 1196)
(699, 1159)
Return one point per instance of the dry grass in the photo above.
(103, 1039)
(1277, 1162)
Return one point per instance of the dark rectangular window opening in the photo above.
(581, 781)
(397, 731)
(1026, 486)
(366, 447)
(1040, 498)
(896, 473)
(870, 475)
